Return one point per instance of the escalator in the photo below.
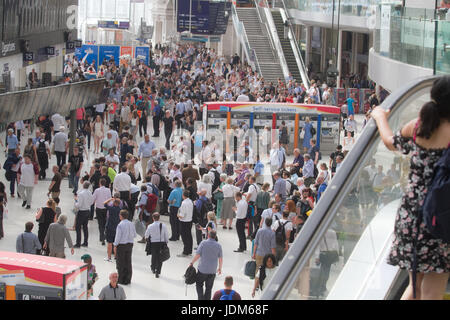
(355, 217)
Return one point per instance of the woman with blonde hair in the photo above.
(45, 217)
(99, 133)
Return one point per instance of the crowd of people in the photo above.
(131, 182)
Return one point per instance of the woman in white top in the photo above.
(206, 184)
(227, 213)
(98, 133)
(134, 124)
(324, 172)
(349, 141)
(265, 273)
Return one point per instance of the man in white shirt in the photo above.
(122, 184)
(274, 159)
(250, 196)
(175, 173)
(115, 137)
(243, 97)
(100, 196)
(27, 177)
(112, 158)
(272, 212)
(185, 216)
(204, 155)
(58, 122)
(84, 201)
(241, 218)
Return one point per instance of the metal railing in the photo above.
(327, 209)
(242, 35)
(273, 34)
(296, 48)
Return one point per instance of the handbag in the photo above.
(148, 247)
(218, 196)
(328, 257)
(302, 134)
(165, 252)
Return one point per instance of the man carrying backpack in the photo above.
(146, 206)
(43, 155)
(283, 229)
(228, 293)
(202, 206)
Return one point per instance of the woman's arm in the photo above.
(380, 117)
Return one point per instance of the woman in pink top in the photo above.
(80, 117)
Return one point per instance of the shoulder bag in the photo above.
(165, 252)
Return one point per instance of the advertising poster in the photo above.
(125, 51)
(108, 53)
(143, 54)
(89, 52)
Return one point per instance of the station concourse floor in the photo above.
(144, 285)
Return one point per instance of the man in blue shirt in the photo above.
(259, 171)
(175, 199)
(322, 186)
(351, 105)
(209, 252)
(11, 141)
(180, 109)
(145, 152)
(280, 185)
(308, 170)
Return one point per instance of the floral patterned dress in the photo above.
(433, 255)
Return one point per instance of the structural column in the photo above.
(355, 43)
(339, 59)
(308, 46)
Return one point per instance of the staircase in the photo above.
(287, 48)
(260, 42)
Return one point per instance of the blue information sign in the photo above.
(90, 52)
(200, 16)
(143, 54)
(108, 53)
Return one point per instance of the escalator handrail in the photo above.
(298, 54)
(325, 211)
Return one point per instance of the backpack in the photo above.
(163, 184)
(152, 201)
(41, 148)
(190, 276)
(198, 217)
(250, 269)
(226, 296)
(155, 189)
(293, 187)
(435, 212)
(280, 234)
(216, 182)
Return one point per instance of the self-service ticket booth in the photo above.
(33, 277)
(325, 119)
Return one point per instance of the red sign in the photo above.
(39, 269)
(126, 51)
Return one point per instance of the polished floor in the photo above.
(144, 285)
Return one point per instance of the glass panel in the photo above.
(443, 46)
(377, 191)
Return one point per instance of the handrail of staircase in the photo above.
(297, 52)
(244, 40)
(274, 33)
(264, 22)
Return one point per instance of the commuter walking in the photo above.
(175, 199)
(209, 253)
(45, 216)
(123, 247)
(158, 236)
(265, 243)
(27, 178)
(112, 291)
(227, 293)
(56, 235)
(28, 242)
(185, 216)
(84, 200)
(100, 196)
(241, 218)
